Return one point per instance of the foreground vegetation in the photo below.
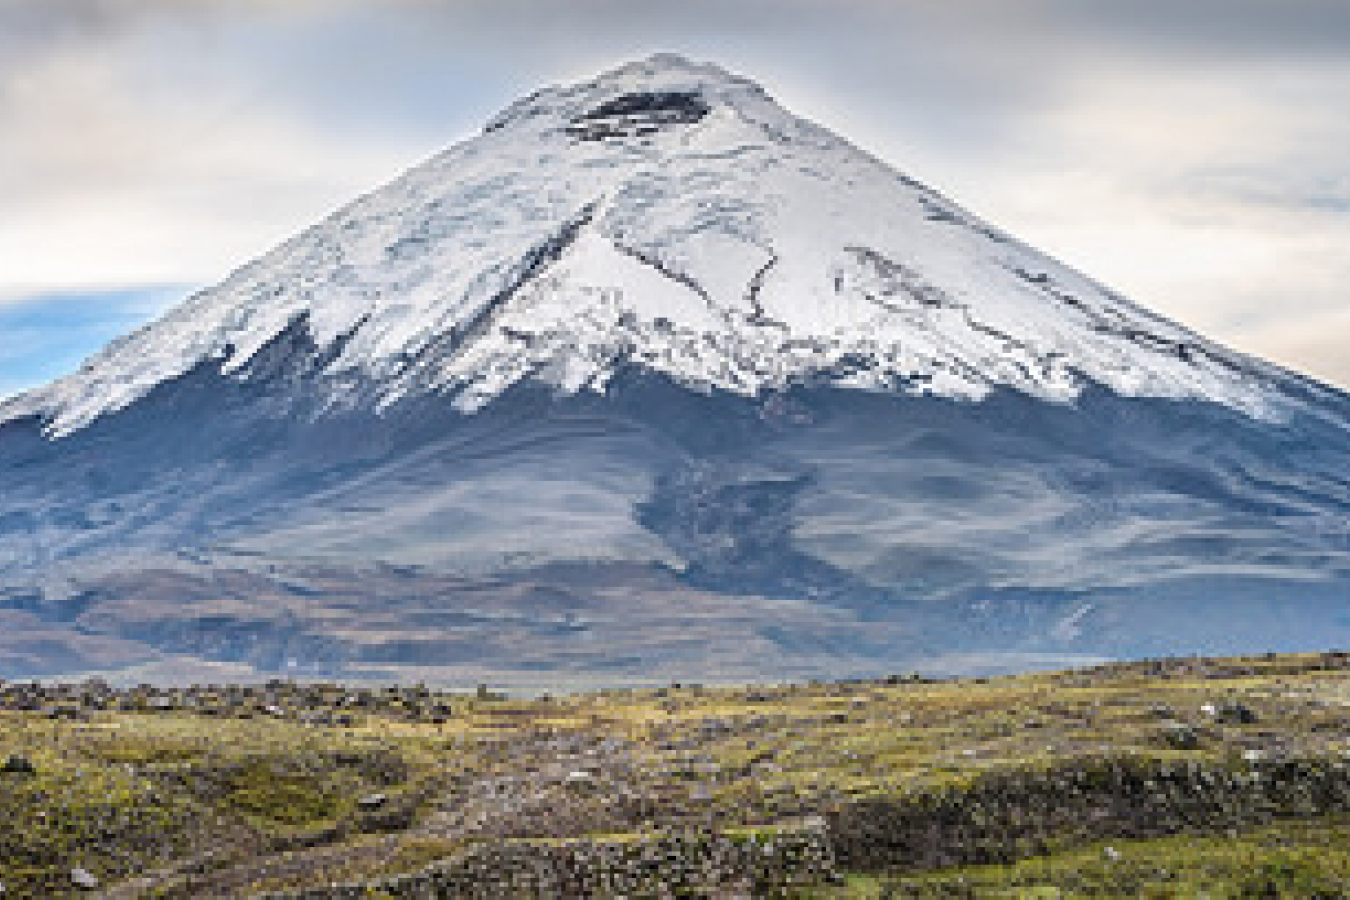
(1180, 778)
(1309, 858)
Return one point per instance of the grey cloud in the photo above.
(1225, 26)
(48, 19)
(1291, 190)
(27, 27)
(1230, 25)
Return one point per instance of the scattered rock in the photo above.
(83, 879)
(1231, 713)
(1181, 736)
(372, 802)
(19, 765)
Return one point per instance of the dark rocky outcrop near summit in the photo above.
(639, 114)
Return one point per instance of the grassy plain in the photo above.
(212, 791)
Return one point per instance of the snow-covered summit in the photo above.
(667, 214)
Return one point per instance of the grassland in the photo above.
(231, 792)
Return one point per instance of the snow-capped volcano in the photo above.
(652, 378)
(672, 215)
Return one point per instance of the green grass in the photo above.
(129, 793)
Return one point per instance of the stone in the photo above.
(19, 765)
(1232, 713)
(83, 879)
(372, 802)
(1181, 736)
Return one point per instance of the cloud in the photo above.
(1227, 27)
(1314, 345)
(1291, 190)
(109, 174)
(26, 21)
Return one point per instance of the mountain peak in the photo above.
(637, 85)
(663, 72)
(665, 65)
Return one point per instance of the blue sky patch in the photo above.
(48, 335)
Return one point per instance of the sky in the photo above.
(1194, 155)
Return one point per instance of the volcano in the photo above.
(652, 379)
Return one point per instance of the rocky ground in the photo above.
(1177, 778)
